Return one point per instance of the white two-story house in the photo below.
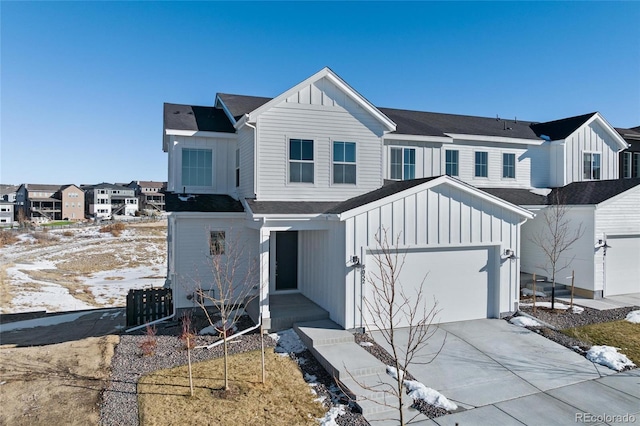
(304, 183)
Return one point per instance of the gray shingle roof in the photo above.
(202, 118)
(517, 196)
(290, 207)
(437, 124)
(239, 105)
(202, 203)
(560, 129)
(592, 192)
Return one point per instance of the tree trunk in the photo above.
(226, 356)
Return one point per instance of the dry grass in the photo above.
(68, 233)
(45, 238)
(7, 238)
(6, 295)
(620, 334)
(115, 228)
(56, 384)
(64, 278)
(284, 400)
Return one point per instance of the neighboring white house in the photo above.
(306, 180)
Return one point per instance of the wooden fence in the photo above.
(144, 306)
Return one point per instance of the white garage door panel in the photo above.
(457, 279)
(623, 265)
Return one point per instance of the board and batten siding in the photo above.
(619, 216)
(190, 253)
(590, 138)
(322, 269)
(223, 167)
(431, 161)
(324, 114)
(440, 217)
(579, 257)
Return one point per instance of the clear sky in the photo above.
(83, 83)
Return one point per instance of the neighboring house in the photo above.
(105, 200)
(630, 157)
(71, 202)
(38, 203)
(304, 182)
(6, 213)
(150, 195)
(8, 192)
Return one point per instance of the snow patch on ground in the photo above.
(329, 419)
(633, 317)
(287, 341)
(419, 391)
(529, 292)
(524, 322)
(610, 357)
(576, 309)
(366, 344)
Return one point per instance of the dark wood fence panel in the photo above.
(144, 306)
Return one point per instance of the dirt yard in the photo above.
(56, 384)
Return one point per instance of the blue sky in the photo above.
(83, 83)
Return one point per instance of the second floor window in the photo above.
(626, 164)
(237, 168)
(509, 166)
(344, 162)
(301, 160)
(482, 164)
(636, 165)
(197, 167)
(403, 163)
(216, 242)
(451, 162)
(591, 167)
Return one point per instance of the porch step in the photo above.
(286, 310)
(561, 289)
(360, 375)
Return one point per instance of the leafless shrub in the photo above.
(150, 341)
(7, 238)
(44, 237)
(115, 228)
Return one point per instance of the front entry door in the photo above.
(286, 260)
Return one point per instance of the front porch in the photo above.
(286, 310)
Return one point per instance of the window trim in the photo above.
(627, 163)
(344, 163)
(290, 161)
(181, 167)
(403, 164)
(475, 164)
(513, 166)
(592, 153)
(456, 164)
(219, 244)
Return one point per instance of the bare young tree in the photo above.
(555, 239)
(389, 307)
(229, 289)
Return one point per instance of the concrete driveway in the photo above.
(499, 373)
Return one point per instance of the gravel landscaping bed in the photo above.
(565, 319)
(120, 401)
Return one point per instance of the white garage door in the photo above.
(463, 282)
(623, 265)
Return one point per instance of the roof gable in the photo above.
(340, 84)
(564, 128)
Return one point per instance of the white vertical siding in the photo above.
(440, 217)
(579, 257)
(324, 114)
(190, 244)
(618, 216)
(591, 138)
(223, 157)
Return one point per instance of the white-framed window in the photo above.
(237, 167)
(344, 162)
(482, 164)
(451, 162)
(403, 163)
(197, 167)
(591, 165)
(636, 165)
(216, 242)
(301, 160)
(626, 164)
(509, 165)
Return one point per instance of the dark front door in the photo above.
(286, 260)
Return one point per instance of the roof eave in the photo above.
(500, 139)
(417, 138)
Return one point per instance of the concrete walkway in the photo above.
(611, 302)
